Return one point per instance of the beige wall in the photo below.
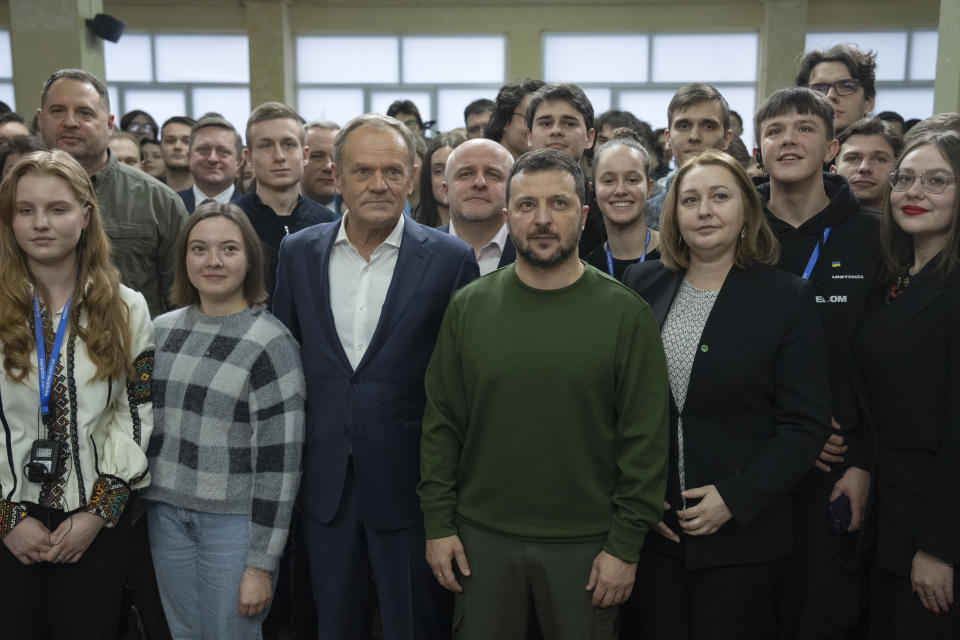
(522, 22)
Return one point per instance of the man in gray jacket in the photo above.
(142, 216)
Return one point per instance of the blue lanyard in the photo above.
(643, 256)
(45, 373)
(814, 256)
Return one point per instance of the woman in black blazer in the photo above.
(750, 406)
(908, 354)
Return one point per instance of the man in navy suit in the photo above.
(214, 157)
(475, 184)
(365, 296)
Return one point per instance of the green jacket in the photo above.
(142, 216)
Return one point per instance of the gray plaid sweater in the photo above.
(228, 396)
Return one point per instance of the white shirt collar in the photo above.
(392, 240)
(499, 238)
(223, 197)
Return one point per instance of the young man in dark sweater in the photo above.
(826, 237)
(276, 147)
(543, 456)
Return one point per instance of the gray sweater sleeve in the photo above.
(277, 393)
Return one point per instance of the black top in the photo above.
(756, 413)
(272, 228)
(593, 233)
(845, 270)
(598, 259)
(908, 354)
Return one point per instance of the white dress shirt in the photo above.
(223, 197)
(358, 288)
(489, 257)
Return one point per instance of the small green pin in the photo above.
(704, 348)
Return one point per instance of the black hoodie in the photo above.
(844, 273)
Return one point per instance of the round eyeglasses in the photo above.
(842, 87)
(934, 181)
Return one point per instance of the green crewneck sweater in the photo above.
(547, 414)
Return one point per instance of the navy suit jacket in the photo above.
(373, 413)
(509, 255)
(191, 202)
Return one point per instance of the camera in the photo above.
(45, 457)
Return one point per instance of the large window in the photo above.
(180, 74)
(906, 66)
(640, 72)
(6, 71)
(440, 74)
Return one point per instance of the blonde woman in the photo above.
(75, 405)
(750, 405)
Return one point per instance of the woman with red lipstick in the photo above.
(750, 407)
(622, 184)
(908, 352)
(225, 453)
(75, 414)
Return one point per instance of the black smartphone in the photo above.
(840, 514)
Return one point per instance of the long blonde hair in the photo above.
(107, 333)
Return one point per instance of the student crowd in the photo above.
(519, 380)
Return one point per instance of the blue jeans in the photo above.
(199, 560)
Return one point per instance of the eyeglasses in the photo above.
(934, 181)
(522, 114)
(842, 87)
(136, 126)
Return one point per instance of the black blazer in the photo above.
(908, 356)
(757, 410)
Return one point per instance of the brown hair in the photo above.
(896, 245)
(539, 160)
(220, 123)
(799, 100)
(690, 95)
(758, 245)
(861, 65)
(124, 135)
(107, 331)
(274, 111)
(427, 212)
(561, 92)
(627, 137)
(873, 127)
(947, 121)
(182, 292)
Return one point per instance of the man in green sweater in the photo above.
(543, 457)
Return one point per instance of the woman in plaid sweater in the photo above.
(225, 451)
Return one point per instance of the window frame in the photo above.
(616, 88)
(400, 87)
(122, 86)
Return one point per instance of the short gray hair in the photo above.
(378, 122)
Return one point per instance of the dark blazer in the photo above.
(908, 356)
(757, 410)
(509, 255)
(375, 411)
(190, 202)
